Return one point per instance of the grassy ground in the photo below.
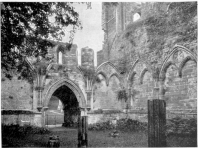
(68, 138)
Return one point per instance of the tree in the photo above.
(26, 30)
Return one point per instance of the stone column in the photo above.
(129, 102)
(161, 89)
(156, 90)
(88, 92)
(40, 102)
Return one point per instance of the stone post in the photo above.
(156, 123)
(44, 115)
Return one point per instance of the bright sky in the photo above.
(92, 34)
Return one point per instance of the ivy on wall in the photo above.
(88, 72)
(122, 95)
(176, 24)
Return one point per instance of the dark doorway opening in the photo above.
(63, 108)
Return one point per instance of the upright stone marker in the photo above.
(156, 123)
(82, 131)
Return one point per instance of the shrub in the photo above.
(101, 126)
(21, 131)
(122, 125)
(180, 126)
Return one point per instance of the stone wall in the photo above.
(21, 117)
(87, 57)
(16, 94)
(100, 57)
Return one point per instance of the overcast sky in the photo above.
(91, 35)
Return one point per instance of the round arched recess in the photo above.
(76, 90)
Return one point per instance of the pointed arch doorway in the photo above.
(65, 98)
(63, 108)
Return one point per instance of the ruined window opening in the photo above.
(60, 58)
(136, 17)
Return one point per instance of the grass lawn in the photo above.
(68, 138)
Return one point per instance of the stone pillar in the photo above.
(156, 90)
(40, 102)
(40, 88)
(161, 89)
(89, 94)
(129, 102)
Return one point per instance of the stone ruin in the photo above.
(125, 64)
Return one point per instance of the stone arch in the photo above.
(103, 74)
(142, 75)
(163, 72)
(70, 84)
(116, 75)
(175, 49)
(131, 78)
(106, 63)
(81, 72)
(131, 71)
(188, 58)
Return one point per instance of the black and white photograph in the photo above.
(98, 74)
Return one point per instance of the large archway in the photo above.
(63, 108)
(66, 92)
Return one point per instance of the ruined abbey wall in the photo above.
(16, 94)
(151, 55)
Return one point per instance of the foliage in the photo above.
(101, 126)
(88, 72)
(22, 131)
(180, 126)
(98, 79)
(109, 4)
(122, 65)
(122, 95)
(16, 112)
(26, 28)
(131, 125)
(134, 93)
(156, 73)
(127, 125)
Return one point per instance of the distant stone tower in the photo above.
(87, 57)
(71, 57)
